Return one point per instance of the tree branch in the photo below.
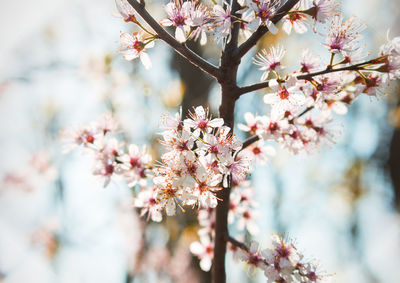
(255, 37)
(182, 49)
(355, 67)
(250, 140)
(238, 244)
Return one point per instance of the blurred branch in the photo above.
(182, 49)
(238, 244)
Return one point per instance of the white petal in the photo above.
(287, 27)
(217, 122)
(126, 39)
(205, 264)
(271, 98)
(166, 23)
(271, 27)
(196, 248)
(145, 60)
(180, 34)
(340, 108)
(170, 207)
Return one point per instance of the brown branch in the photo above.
(182, 49)
(355, 67)
(228, 82)
(238, 244)
(250, 140)
(256, 36)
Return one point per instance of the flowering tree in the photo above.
(204, 166)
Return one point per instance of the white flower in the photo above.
(135, 165)
(344, 36)
(261, 152)
(179, 15)
(253, 258)
(322, 10)
(270, 60)
(253, 123)
(295, 21)
(265, 10)
(222, 22)
(284, 97)
(134, 46)
(309, 62)
(201, 122)
(126, 10)
(204, 250)
(146, 200)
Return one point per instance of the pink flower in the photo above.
(126, 10)
(309, 62)
(135, 45)
(284, 97)
(222, 22)
(146, 199)
(344, 36)
(179, 16)
(270, 60)
(135, 165)
(296, 21)
(265, 10)
(204, 250)
(201, 122)
(253, 258)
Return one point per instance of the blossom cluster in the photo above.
(112, 158)
(302, 103)
(241, 211)
(200, 159)
(193, 20)
(282, 263)
(35, 173)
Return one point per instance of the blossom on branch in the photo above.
(134, 46)
(270, 61)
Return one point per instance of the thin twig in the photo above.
(238, 244)
(256, 36)
(182, 49)
(252, 139)
(355, 67)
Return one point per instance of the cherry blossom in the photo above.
(253, 258)
(296, 21)
(270, 60)
(344, 36)
(204, 250)
(146, 200)
(126, 11)
(309, 62)
(264, 11)
(222, 22)
(135, 165)
(201, 122)
(134, 46)
(322, 10)
(284, 97)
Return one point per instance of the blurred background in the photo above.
(60, 66)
